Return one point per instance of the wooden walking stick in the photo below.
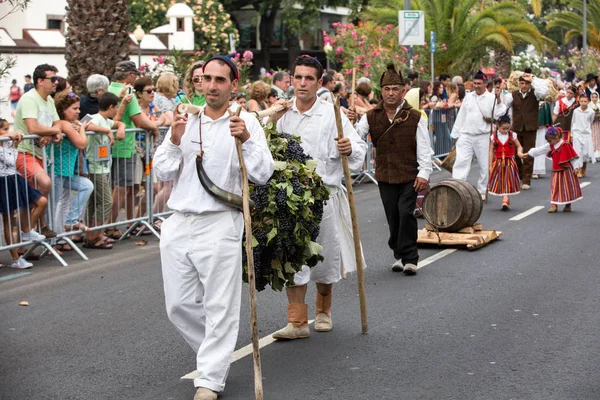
(353, 87)
(258, 389)
(355, 233)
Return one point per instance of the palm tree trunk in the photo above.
(502, 62)
(97, 39)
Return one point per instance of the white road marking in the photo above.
(267, 340)
(527, 213)
(584, 184)
(435, 257)
(243, 352)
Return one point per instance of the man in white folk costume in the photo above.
(201, 249)
(313, 120)
(472, 129)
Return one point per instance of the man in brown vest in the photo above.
(525, 105)
(403, 164)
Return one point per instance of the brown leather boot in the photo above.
(583, 170)
(297, 327)
(323, 321)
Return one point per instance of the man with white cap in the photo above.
(472, 129)
(201, 243)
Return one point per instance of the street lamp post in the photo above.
(139, 35)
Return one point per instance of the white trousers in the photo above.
(201, 259)
(466, 147)
(337, 240)
(539, 163)
(584, 146)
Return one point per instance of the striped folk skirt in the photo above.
(565, 186)
(504, 177)
(596, 137)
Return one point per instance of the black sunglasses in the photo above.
(53, 79)
(149, 91)
(196, 80)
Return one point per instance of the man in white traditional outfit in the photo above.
(472, 129)
(314, 121)
(201, 249)
(404, 163)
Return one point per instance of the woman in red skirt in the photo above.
(565, 162)
(504, 173)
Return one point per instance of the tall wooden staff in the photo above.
(357, 248)
(353, 88)
(258, 389)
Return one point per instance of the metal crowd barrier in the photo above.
(71, 192)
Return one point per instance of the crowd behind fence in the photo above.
(77, 203)
(82, 203)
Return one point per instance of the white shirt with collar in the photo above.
(469, 120)
(317, 129)
(540, 90)
(220, 161)
(424, 150)
(582, 121)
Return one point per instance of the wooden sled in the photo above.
(473, 238)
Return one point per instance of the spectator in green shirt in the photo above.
(193, 85)
(123, 153)
(36, 115)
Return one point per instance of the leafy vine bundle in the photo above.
(289, 209)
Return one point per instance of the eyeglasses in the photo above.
(149, 91)
(53, 79)
(197, 80)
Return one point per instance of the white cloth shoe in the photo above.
(32, 235)
(21, 263)
(397, 266)
(525, 187)
(323, 323)
(291, 332)
(410, 269)
(205, 394)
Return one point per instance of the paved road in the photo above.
(517, 319)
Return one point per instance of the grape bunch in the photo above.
(285, 222)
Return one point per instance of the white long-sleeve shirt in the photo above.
(474, 108)
(582, 121)
(539, 89)
(424, 150)
(545, 149)
(220, 162)
(317, 129)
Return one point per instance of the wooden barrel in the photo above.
(452, 205)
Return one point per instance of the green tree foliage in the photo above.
(571, 22)
(468, 31)
(212, 24)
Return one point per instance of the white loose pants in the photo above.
(466, 147)
(539, 163)
(201, 259)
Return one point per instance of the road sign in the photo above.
(432, 41)
(411, 30)
(232, 42)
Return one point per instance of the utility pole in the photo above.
(584, 24)
(410, 63)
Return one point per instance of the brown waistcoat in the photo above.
(525, 112)
(396, 157)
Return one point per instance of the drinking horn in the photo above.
(231, 199)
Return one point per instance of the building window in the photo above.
(53, 23)
(180, 25)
